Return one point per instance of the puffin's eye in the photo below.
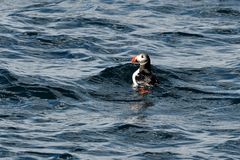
(142, 56)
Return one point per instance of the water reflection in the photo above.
(140, 106)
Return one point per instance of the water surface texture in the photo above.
(65, 79)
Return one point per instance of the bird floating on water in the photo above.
(143, 76)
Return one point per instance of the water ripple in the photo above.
(65, 79)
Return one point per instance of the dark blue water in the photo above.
(65, 79)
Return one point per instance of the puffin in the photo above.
(143, 78)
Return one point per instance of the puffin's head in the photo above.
(141, 59)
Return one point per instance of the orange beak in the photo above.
(134, 60)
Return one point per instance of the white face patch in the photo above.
(142, 59)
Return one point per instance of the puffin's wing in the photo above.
(144, 79)
(140, 78)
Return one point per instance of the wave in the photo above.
(13, 86)
(114, 83)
